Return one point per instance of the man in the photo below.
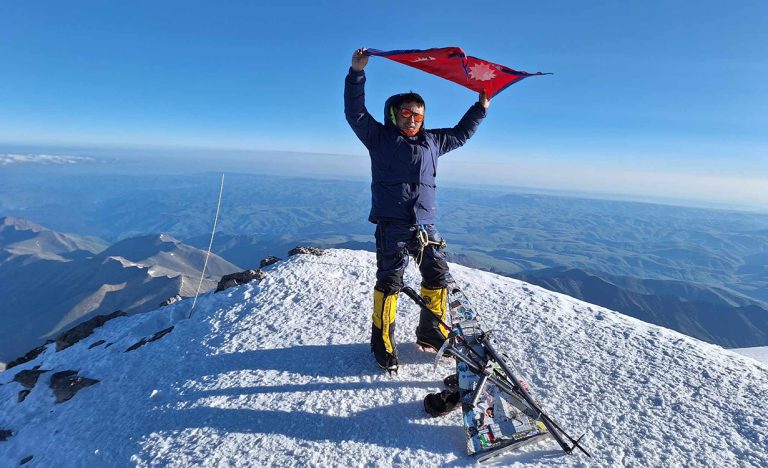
(403, 169)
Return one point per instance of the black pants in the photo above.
(394, 243)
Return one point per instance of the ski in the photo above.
(493, 417)
(499, 413)
(515, 445)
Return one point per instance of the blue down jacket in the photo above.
(403, 169)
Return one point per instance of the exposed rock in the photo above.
(242, 277)
(171, 300)
(66, 384)
(23, 395)
(137, 345)
(268, 261)
(306, 250)
(161, 333)
(5, 434)
(96, 344)
(83, 330)
(154, 337)
(28, 378)
(25, 460)
(29, 356)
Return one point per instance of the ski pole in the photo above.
(555, 428)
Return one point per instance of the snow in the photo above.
(279, 373)
(759, 353)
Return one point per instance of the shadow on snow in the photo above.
(403, 425)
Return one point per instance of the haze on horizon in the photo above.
(667, 189)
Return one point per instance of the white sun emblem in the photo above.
(482, 72)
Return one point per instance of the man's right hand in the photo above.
(359, 59)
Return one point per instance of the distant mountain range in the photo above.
(51, 281)
(707, 313)
(667, 264)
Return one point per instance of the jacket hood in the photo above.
(389, 113)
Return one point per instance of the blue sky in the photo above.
(648, 98)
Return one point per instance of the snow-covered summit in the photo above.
(279, 373)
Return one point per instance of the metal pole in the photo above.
(210, 244)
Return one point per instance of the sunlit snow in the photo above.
(279, 373)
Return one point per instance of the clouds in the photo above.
(43, 159)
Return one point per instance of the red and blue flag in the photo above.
(453, 64)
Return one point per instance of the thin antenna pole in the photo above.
(210, 244)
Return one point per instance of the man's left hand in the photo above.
(484, 101)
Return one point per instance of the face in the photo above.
(408, 125)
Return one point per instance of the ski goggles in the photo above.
(407, 114)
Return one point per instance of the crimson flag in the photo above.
(453, 64)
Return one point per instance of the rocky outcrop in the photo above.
(84, 330)
(29, 356)
(28, 378)
(268, 261)
(306, 250)
(23, 395)
(171, 300)
(100, 342)
(66, 384)
(154, 337)
(236, 279)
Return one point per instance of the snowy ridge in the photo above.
(20, 237)
(134, 275)
(279, 373)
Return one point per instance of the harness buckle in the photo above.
(423, 238)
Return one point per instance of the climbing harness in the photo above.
(423, 238)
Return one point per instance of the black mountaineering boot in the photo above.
(431, 333)
(440, 404)
(451, 382)
(383, 344)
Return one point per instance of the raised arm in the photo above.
(448, 139)
(365, 127)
